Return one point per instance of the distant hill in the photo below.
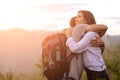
(111, 40)
(20, 50)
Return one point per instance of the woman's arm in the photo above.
(99, 28)
(83, 44)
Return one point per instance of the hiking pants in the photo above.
(76, 67)
(97, 75)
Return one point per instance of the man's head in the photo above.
(72, 22)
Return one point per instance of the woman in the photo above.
(84, 17)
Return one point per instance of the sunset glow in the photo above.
(55, 15)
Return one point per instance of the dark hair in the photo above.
(72, 22)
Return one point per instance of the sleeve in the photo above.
(82, 45)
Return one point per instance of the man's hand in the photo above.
(98, 42)
(68, 32)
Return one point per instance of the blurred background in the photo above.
(25, 23)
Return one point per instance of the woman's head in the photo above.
(85, 17)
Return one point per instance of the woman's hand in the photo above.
(98, 42)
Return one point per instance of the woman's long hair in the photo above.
(88, 16)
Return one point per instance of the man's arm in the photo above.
(83, 44)
(98, 42)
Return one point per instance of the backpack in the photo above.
(54, 59)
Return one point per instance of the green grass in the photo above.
(112, 59)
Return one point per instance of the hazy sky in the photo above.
(55, 14)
